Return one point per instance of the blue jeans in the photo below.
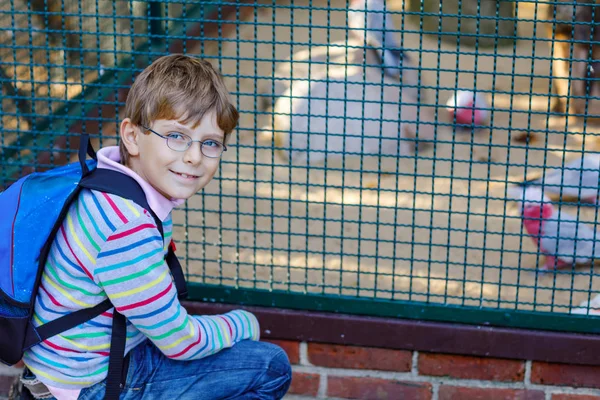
(248, 370)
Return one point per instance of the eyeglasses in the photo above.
(178, 141)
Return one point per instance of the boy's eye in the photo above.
(177, 136)
(211, 143)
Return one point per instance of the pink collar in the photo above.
(109, 157)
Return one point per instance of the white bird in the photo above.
(340, 102)
(562, 238)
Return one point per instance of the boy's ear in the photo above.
(129, 137)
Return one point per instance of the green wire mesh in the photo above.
(397, 208)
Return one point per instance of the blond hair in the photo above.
(175, 87)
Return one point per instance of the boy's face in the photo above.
(175, 174)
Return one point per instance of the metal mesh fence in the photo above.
(354, 182)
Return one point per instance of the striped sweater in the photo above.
(110, 247)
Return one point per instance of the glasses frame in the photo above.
(190, 142)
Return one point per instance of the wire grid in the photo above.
(380, 207)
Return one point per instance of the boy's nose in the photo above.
(193, 155)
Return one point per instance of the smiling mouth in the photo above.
(188, 176)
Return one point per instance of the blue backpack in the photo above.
(31, 213)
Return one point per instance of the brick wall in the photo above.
(352, 372)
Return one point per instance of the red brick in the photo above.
(354, 357)
(467, 367)
(291, 347)
(374, 388)
(305, 384)
(563, 396)
(565, 375)
(467, 393)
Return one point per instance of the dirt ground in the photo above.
(433, 227)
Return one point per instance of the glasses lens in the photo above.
(178, 142)
(212, 149)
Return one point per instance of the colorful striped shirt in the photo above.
(110, 247)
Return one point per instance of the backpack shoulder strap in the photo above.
(119, 184)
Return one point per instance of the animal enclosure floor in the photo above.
(432, 227)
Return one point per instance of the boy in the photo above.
(178, 118)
